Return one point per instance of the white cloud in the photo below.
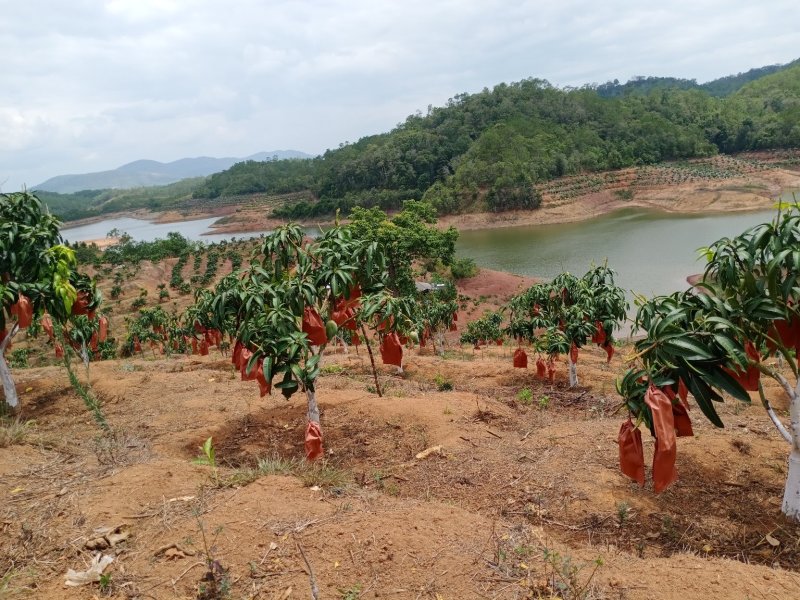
(90, 85)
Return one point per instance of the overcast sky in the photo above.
(88, 85)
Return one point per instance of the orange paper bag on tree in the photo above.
(664, 473)
(631, 452)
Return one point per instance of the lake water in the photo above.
(141, 230)
(652, 252)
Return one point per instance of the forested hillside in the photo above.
(487, 150)
(724, 86)
(87, 203)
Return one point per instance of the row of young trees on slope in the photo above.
(710, 340)
(286, 307)
(300, 295)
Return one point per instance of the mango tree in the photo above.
(716, 339)
(436, 313)
(160, 330)
(280, 310)
(406, 239)
(37, 274)
(562, 316)
(483, 331)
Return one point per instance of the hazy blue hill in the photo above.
(148, 173)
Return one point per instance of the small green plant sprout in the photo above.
(525, 396)
(208, 457)
(105, 583)
(18, 359)
(351, 593)
(544, 402)
(208, 454)
(564, 576)
(443, 384)
(215, 583)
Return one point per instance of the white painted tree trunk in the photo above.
(313, 407)
(573, 374)
(791, 493)
(9, 389)
(440, 345)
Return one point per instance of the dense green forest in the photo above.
(488, 150)
(724, 86)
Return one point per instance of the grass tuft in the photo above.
(14, 431)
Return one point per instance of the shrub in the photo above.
(462, 268)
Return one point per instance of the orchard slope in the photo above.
(477, 475)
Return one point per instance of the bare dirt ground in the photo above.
(523, 499)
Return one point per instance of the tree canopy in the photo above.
(715, 339)
(37, 274)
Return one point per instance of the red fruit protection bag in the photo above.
(102, 329)
(664, 473)
(599, 336)
(264, 386)
(683, 424)
(313, 326)
(520, 359)
(631, 452)
(47, 325)
(748, 378)
(245, 358)
(541, 368)
(609, 348)
(313, 443)
(573, 354)
(392, 350)
(237, 353)
(23, 310)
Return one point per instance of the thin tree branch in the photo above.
(372, 361)
(7, 340)
(311, 576)
(773, 417)
(787, 387)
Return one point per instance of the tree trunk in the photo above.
(372, 361)
(9, 389)
(440, 335)
(313, 407)
(573, 374)
(791, 494)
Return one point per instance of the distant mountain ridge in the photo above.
(147, 173)
(720, 87)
